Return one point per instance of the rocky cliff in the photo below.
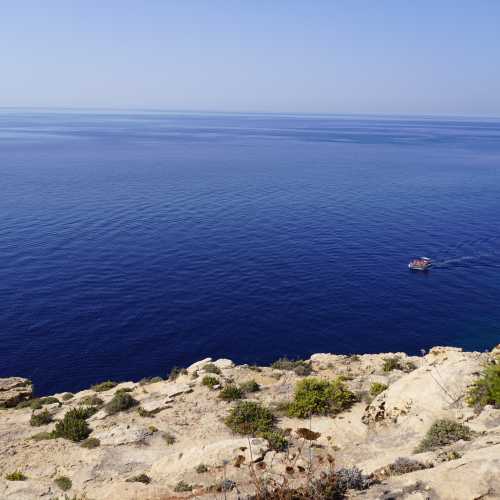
(374, 425)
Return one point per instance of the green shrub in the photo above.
(39, 419)
(486, 390)
(141, 478)
(392, 363)
(63, 482)
(90, 443)
(250, 386)
(67, 396)
(254, 368)
(230, 393)
(405, 466)
(150, 380)
(92, 400)
(210, 381)
(175, 372)
(169, 438)
(182, 486)
(201, 469)
(16, 476)
(104, 386)
(211, 368)
(319, 397)
(442, 433)
(299, 366)
(277, 440)
(123, 390)
(84, 412)
(121, 401)
(248, 417)
(74, 426)
(376, 388)
(37, 403)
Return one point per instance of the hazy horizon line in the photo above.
(122, 109)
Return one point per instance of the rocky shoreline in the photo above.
(375, 425)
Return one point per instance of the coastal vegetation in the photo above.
(376, 388)
(442, 433)
(299, 366)
(486, 390)
(16, 476)
(211, 368)
(90, 443)
(250, 386)
(230, 393)
(210, 381)
(320, 397)
(74, 425)
(39, 419)
(104, 386)
(121, 401)
(63, 482)
(250, 418)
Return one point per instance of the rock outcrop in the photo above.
(172, 442)
(13, 390)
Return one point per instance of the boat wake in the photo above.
(483, 259)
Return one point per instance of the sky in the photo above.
(437, 57)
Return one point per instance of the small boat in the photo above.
(421, 264)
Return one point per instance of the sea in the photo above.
(135, 241)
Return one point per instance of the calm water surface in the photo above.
(130, 243)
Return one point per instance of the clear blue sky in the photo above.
(345, 56)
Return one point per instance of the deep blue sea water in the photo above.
(130, 243)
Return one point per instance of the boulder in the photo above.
(435, 390)
(121, 434)
(224, 363)
(13, 390)
(198, 365)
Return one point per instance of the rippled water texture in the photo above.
(130, 243)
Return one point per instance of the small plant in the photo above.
(90, 443)
(392, 363)
(448, 455)
(84, 412)
(248, 417)
(153, 429)
(121, 401)
(169, 438)
(63, 482)
(92, 400)
(354, 357)
(104, 386)
(442, 433)
(405, 465)
(67, 396)
(175, 372)
(211, 368)
(319, 397)
(210, 381)
(299, 366)
(39, 419)
(250, 386)
(37, 403)
(230, 393)
(42, 436)
(201, 469)
(141, 478)
(149, 380)
(74, 426)
(486, 390)
(277, 440)
(280, 408)
(182, 486)
(145, 413)
(124, 389)
(376, 388)
(16, 476)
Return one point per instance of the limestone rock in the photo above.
(224, 363)
(198, 365)
(122, 434)
(14, 390)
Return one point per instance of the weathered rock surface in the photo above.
(13, 390)
(179, 434)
